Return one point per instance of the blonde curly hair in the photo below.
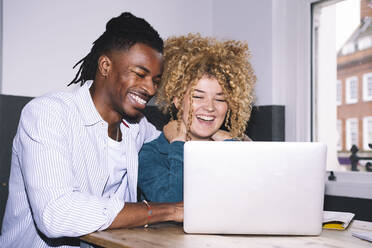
(189, 58)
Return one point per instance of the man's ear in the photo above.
(104, 65)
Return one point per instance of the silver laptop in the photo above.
(272, 188)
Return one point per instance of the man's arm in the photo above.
(60, 206)
(137, 214)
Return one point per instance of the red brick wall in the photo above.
(361, 108)
(365, 8)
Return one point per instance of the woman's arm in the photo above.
(160, 174)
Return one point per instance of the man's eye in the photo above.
(140, 75)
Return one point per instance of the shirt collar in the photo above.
(86, 105)
(88, 109)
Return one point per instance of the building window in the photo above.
(339, 133)
(367, 132)
(338, 92)
(367, 87)
(349, 48)
(352, 132)
(352, 90)
(365, 42)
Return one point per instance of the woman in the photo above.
(209, 84)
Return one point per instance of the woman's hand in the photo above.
(246, 138)
(172, 134)
(221, 135)
(224, 135)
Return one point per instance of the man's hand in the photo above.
(178, 213)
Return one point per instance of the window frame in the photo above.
(348, 132)
(339, 132)
(348, 48)
(356, 181)
(366, 97)
(364, 43)
(338, 92)
(348, 90)
(366, 127)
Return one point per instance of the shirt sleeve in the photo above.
(160, 176)
(44, 156)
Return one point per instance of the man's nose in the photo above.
(150, 86)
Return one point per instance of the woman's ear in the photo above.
(104, 65)
(176, 103)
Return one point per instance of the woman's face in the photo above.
(209, 109)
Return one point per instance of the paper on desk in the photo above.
(363, 235)
(336, 220)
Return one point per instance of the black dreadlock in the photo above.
(122, 32)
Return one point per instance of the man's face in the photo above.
(132, 79)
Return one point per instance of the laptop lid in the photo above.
(254, 187)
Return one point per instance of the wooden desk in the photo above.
(172, 235)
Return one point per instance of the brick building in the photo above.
(354, 86)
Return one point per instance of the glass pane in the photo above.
(342, 80)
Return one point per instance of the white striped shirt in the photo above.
(60, 169)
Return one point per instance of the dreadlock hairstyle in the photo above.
(122, 32)
(189, 58)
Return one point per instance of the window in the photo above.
(336, 109)
(349, 48)
(367, 132)
(341, 52)
(352, 90)
(338, 92)
(339, 133)
(352, 132)
(367, 87)
(365, 42)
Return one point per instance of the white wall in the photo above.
(278, 34)
(43, 39)
(250, 21)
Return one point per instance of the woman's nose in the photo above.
(209, 105)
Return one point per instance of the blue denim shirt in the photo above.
(160, 170)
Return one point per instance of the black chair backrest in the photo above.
(10, 111)
(266, 124)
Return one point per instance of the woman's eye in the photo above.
(220, 100)
(197, 97)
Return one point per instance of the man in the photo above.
(75, 154)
